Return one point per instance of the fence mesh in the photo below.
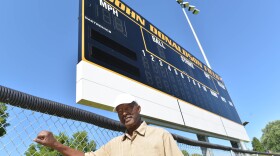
(19, 126)
(25, 124)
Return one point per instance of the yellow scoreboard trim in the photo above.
(83, 30)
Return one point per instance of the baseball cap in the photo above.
(123, 98)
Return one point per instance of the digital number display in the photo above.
(119, 39)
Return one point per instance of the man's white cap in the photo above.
(123, 98)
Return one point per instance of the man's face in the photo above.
(129, 114)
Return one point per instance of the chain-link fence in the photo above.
(24, 116)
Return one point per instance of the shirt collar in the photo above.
(140, 130)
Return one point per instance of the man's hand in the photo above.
(46, 138)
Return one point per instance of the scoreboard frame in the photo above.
(98, 83)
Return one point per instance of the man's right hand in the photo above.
(46, 138)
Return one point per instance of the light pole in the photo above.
(195, 11)
(205, 151)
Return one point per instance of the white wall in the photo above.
(102, 86)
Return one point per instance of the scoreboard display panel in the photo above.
(117, 38)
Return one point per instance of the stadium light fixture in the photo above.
(191, 8)
(179, 1)
(196, 11)
(185, 4)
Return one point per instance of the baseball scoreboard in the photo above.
(116, 39)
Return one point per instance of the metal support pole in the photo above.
(232, 153)
(239, 145)
(205, 151)
(196, 38)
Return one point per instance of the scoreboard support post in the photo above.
(205, 151)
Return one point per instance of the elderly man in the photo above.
(139, 139)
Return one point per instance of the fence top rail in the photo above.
(27, 101)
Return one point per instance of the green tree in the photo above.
(195, 154)
(185, 153)
(271, 136)
(79, 141)
(257, 146)
(3, 119)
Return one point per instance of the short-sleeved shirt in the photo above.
(145, 141)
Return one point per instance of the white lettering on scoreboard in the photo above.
(109, 8)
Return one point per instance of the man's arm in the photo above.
(46, 138)
(170, 146)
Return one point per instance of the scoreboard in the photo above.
(115, 38)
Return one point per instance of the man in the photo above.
(139, 139)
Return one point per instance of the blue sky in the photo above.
(39, 48)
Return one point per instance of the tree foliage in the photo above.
(257, 146)
(3, 119)
(271, 136)
(196, 154)
(79, 141)
(185, 153)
